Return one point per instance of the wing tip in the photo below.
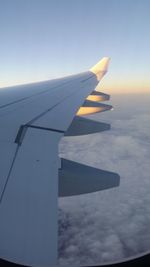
(101, 67)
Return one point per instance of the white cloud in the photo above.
(113, 224)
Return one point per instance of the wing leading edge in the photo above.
(33, 119)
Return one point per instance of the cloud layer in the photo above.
(114, 224)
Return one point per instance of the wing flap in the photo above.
(82, 126)
(98, 96)
(76, 179)
(91, 107)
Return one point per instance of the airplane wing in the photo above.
(33, 118)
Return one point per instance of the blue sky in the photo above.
(44, 39)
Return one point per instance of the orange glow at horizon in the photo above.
(110, 84)
(125, 85)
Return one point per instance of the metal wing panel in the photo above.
(7, 153)
(29, 179)
(28, 210)
(61, 115)
(28, 201)
(19, 93)
(24, 112)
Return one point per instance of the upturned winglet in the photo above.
(101, 68)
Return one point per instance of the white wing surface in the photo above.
(33, 118)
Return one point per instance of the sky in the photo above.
(45, 39)
(111, 225)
